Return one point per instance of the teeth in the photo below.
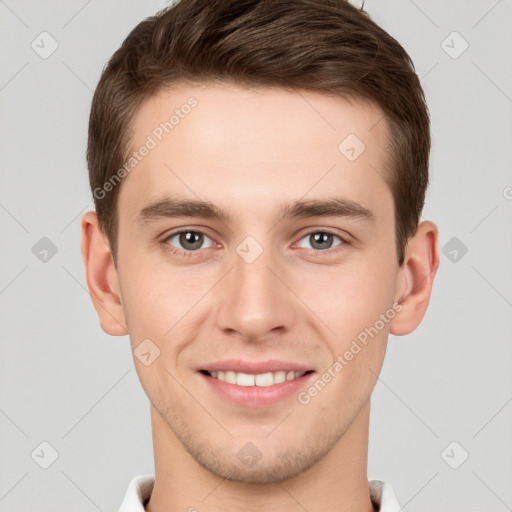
(244, 379)
(230, 377)
(279, 377)
(261, 379)
(264, 379)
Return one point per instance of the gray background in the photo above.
(65, 382)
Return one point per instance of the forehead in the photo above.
(232, 144)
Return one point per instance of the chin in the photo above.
(271, 464)
(270, 471)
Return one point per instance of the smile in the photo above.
(256, 387)
(260, 379)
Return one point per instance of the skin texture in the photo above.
(249, 151)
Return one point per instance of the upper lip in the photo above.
(255, 367)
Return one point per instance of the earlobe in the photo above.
(102, 277)
(417, 274)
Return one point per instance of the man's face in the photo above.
(273, 287)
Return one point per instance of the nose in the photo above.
(254, 302)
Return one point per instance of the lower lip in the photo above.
(257, 396)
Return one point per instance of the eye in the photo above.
(320, 241)
(189, 240)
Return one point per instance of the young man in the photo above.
(259, 169)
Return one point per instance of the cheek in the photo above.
(156, 303)
(146, 300)
(357, 306)
(159, 301)
(351, 297)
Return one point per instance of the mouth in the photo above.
(255, 385)
(260, 379)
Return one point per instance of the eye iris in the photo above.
(321, 240)
(191, 240)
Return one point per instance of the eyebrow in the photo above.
(170, 208)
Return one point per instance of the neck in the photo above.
(337, 483)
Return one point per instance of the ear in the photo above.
(417, 277)
(101, 277)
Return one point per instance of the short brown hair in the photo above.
(327, 46)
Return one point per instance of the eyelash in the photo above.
(190, 254)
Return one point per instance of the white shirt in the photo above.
(140, 488)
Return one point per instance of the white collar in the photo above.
(140, 489)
